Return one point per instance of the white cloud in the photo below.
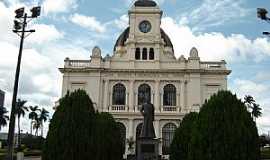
(122, 22)
(215, 13)
(45, 33)
(88, 22)
(260, 92)
(58, 6)
(215, 46)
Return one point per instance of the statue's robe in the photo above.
(148, 112)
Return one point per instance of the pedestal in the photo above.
(148, 149)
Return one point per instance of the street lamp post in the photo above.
(262, 14)
(20, 24)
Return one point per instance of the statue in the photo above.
(148, 112)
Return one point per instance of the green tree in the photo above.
(71, 129)
(33, 115)
(107, 138)
(253, 107)
(43, 117)
(3, 117)
(225, 130)
(181, 142)
(20, 111)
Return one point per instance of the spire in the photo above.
(145, 3)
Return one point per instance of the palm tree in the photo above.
(249, 100)
(256, 111)
(36, 126)
(43, 117)
(253, 108)
(33, 116)
(20, 110)
(3, 117)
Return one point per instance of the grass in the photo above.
(265, 153)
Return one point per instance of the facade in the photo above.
(142, 65)
(2, 98)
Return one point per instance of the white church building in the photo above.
(143, 63)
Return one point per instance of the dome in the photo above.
(145, 3)
(124, 36)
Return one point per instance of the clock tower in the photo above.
(144, 40)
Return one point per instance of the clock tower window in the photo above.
(138, 54)
(144, 54)
(151, 54)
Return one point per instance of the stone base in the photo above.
(148, 149)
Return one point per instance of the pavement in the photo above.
(32, 158)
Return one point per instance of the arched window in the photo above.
(151, 54)
(119, 94)
(138, 54)
(122, 129)
(144, 93)
(144, 54)
(167, 137)
(169, 96)
(138, 133)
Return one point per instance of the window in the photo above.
(169, 96)
(151, 54)
(144, 93)
(119, 94)
(122, 129)
(138, 54)
(144, 54)
(167, 137)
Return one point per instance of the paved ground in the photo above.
(32, 158)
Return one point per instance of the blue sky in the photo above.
(227, 29)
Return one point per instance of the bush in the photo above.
(33, 142)
(181, 143)
(224, 130)
(77, 132)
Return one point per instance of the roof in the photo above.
(124, 36)
(145, 3)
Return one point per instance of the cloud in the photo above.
(214, 45)
(122, 22)
(215, 13)
(260, 92)
(88, 22)
(58, 6)
(45, 33)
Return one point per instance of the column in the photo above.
(182, 96)
(130, 128)
(131, 96)
(157, 96)
(106, 93)
(157, 129)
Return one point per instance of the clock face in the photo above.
(145, 26)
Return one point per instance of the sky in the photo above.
(220, 30)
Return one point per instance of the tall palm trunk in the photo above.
(19, 133)
(31, 127)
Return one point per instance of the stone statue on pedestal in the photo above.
(148, 145)
(148, 112)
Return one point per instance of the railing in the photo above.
(118, 108)
(169, 108)
(77, 63)
(213, 65)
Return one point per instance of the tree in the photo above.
(224, 130)
(252, 107)
(181, 142)
(20, 111)
(71, 129)
(43, 117)
(33, 116)
(3, 117)
(107, 139)
(77, 132)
